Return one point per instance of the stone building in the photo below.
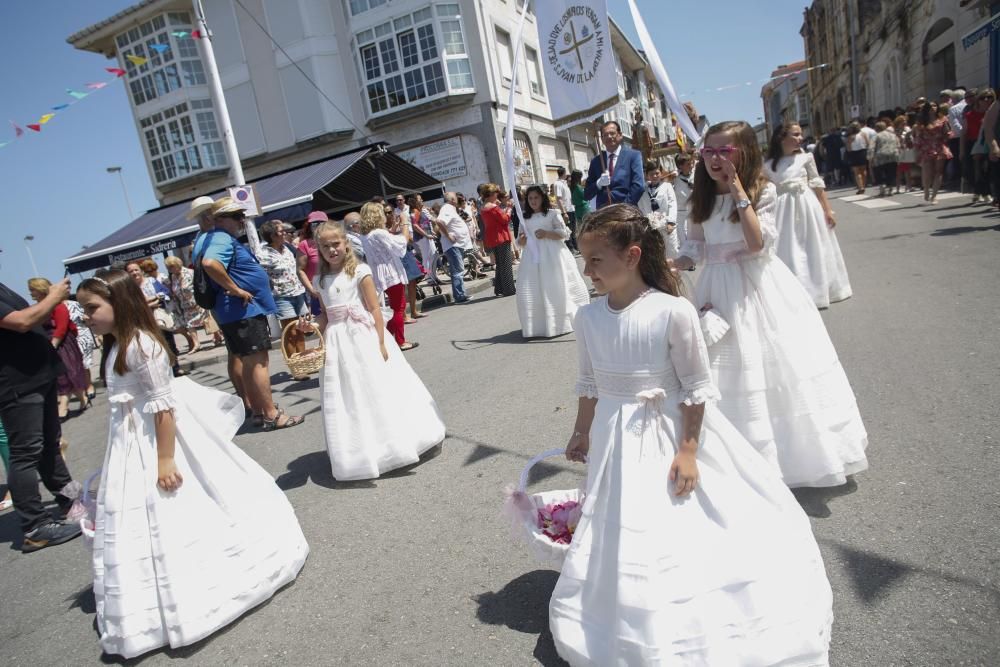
(885, 53)
(430, 78)
(786, 97)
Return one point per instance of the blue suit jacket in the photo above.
(627, 183)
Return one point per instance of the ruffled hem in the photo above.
(586, 390)
(700, 394)
(162, 404)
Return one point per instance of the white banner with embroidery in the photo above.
(579, 67)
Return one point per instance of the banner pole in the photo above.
(509, 130)
(600, 154)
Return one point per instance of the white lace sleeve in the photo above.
(766, 209)
(150, 364)
(693, 245)
(557, 224)
(815, 180)
(689, 355)
(586, 386)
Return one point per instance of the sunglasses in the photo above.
(724, 152)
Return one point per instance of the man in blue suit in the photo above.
(618, 169)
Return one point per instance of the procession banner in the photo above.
(508, 143)
(579, 68)
(661, 76)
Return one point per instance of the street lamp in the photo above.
(34, 267)
(118, 170)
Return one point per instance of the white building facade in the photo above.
(431, 78)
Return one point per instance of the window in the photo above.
(154, 41)
(505, 56)
(358, 6)
(534, 71)
(412, 57)
(182, 140)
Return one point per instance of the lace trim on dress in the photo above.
(161, 400)
(628, 385)
(586, 389)
(700, 393)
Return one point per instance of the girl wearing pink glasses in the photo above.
(782, 384)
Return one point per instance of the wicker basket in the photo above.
(522, 510)
(303, 363)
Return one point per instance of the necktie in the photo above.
(611, 164)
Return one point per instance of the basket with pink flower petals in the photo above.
(84, 509)
(546, 520)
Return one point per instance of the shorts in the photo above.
(904, 167)
(290, 307)
(246, 337)
(857, 158)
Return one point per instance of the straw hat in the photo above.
(198, 206)
(225, 206)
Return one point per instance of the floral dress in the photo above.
(931, 141)
(189, 314)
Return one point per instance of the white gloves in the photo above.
(604, 181)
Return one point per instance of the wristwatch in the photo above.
(743, 203)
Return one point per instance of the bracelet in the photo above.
(576, 433)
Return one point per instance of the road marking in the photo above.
(854, 198)
(877, 203)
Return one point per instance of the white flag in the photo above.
(579, 66)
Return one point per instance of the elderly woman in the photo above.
(62, 334)
(156, 297)
(278, 259)
(188, 315)
(384, 253)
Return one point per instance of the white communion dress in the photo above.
(805, 243)
(377, 414)
(172, 568)
(782, 384)
(550, 288)
(728, 575)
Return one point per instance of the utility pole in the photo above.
(128, 203)
(855, 98)
(222, 111)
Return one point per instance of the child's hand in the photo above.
(385, 352)
(578, 447)
(729, 171)
(707, 307)
(684, 473)
(539, 233)
(169, 479)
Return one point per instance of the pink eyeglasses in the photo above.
(725, 152)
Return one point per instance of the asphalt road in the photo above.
(417, 568)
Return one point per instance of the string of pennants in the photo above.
(786, 75)
(77, 95)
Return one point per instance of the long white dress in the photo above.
(377, 414)
(729, 575)
(782, 384)
(805, 243)
(172, 568)
(550, 288)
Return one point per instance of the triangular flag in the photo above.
(180, 33)
(75, 94)
(159, 48)
(196, 34)
(60, 107)
(136, 60)
(96, 86)
(46, 118)
(17, 131)
(3, 143)
(33, 126)
(115, 70)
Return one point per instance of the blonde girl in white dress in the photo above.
(782, 384)
(550, 288)
(377, 414)
(806, 242)
(689, 550)
(189, 532)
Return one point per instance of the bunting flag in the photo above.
(757, 81)
(196, 34)
(96, 86)
(3, 143)
(159, 48)
(34, 126)
(75, 94)
(136, 60)
(17, 130)
(117, 71)
(60, 107)
(46, 118)
(180, 34)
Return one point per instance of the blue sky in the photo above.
(55, 185)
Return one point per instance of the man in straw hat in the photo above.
(243, 302)
(201, 210)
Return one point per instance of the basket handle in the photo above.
(85, 497)
(547, 454)
(295, 323)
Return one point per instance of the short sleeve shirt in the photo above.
(245, 271)
(28, 362)
(283, 270)
(456, 226)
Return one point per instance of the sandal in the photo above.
(408, 346)
(290, 421)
